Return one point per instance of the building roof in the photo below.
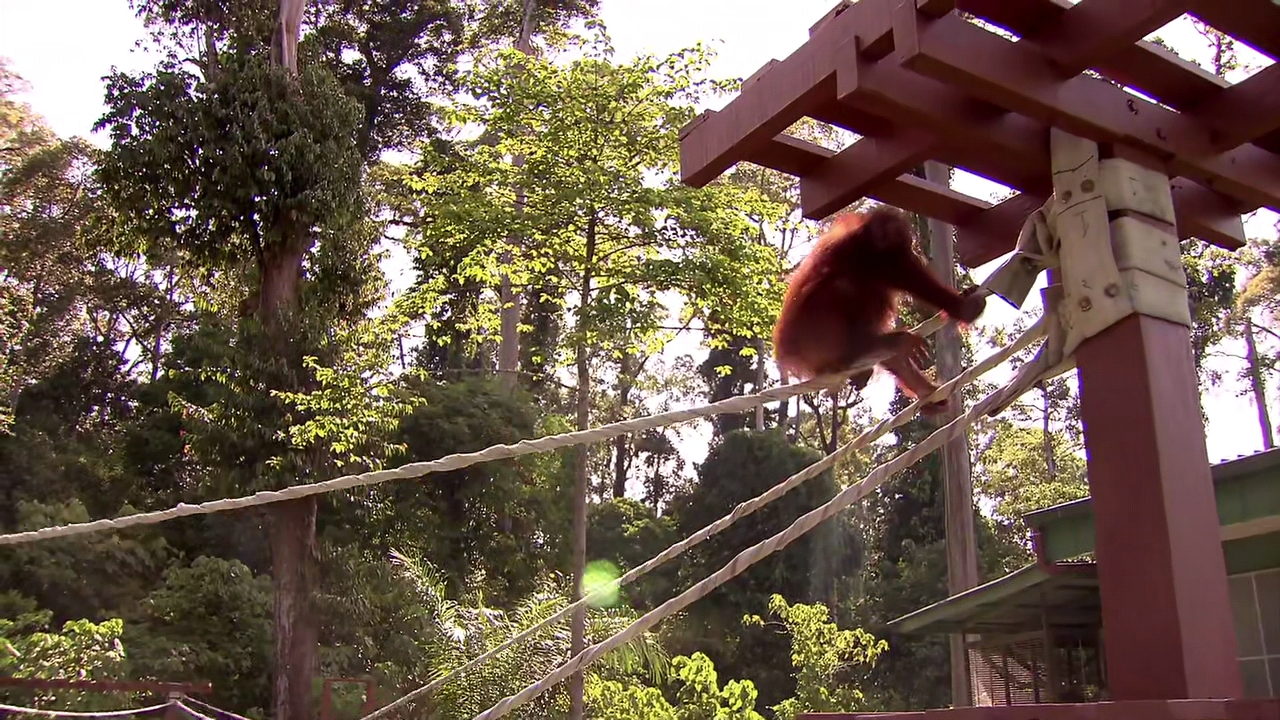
(1018, 602)
(1064, 593)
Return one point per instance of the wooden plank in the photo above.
(1144, 66)
(1244, 112)
(854, 171)
(1256, 22)
(1021, 79)
(1009, 148)
(1095, 30)
(994, 231)
(790, 90)
(1162, 576)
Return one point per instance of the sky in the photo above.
(63, 48)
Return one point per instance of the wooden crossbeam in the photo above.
(1256, 22)
(984, 232)
(1009, 148)
(1245, 111)
(1094, 30)
(790, 90)
(1022, 80)
(866, 164)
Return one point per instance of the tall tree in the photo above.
(593, 225)
(957, 478)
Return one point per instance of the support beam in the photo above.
(1244, 112)
(788, 91)
(1256, 22)
(1021, 79)
(1003, 146)
(1162, 576)
(1094, 30)
(866, 164)
(995, 231)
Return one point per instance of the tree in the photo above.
(827, 659)
(253, 173)
(594, 227)
(741, 466)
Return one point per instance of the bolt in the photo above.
(1112, 290)
(1066, 196)
(1086, 304)
(1086, 186)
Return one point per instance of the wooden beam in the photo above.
(1009, 148)
(1019, 78)
(1094, 30)
(994, 231)
(1244, 112)
(1256, 22)
(981, 235)
(866, 164)
(790, 90)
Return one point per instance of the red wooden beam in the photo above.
(1149, 68)
(790, 90)
(1156, 526)
(1256, 22)
(994, 231)
(989, 234)
(109, 686)
(1021, 79)
(1009, 148)
(853, 172)
(1094, 30)
(1245, 111)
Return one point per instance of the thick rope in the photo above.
(742, 510)
(752, 555)
(457, 461)
(212, 709)
(71, 714)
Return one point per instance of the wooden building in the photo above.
(1036, 635)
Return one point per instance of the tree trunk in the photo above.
(292, 524)
(1050, 462)
(1259, 388)
(961, 544)
(760, 379)
(509, 314)
(294, 563)
(621, 444)
(578, 639)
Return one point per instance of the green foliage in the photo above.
(823, 656)
(81, 650)
(447, 632)
(604, 223)
(698, 696)
(91, 576)
(627, 532)
(741, 466)
(210, 622)
(218, 168)
(1211, 290)
(1016, 477)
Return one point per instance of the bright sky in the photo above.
(64, 47)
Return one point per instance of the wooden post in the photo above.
(1165, 609)
(957, 478)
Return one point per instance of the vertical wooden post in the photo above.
(957, 478)
(1165, 610)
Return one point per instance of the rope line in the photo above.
(743, 509)
(755, 553)
(72, 714)
(457, 461)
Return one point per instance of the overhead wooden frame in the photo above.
(917, 81)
